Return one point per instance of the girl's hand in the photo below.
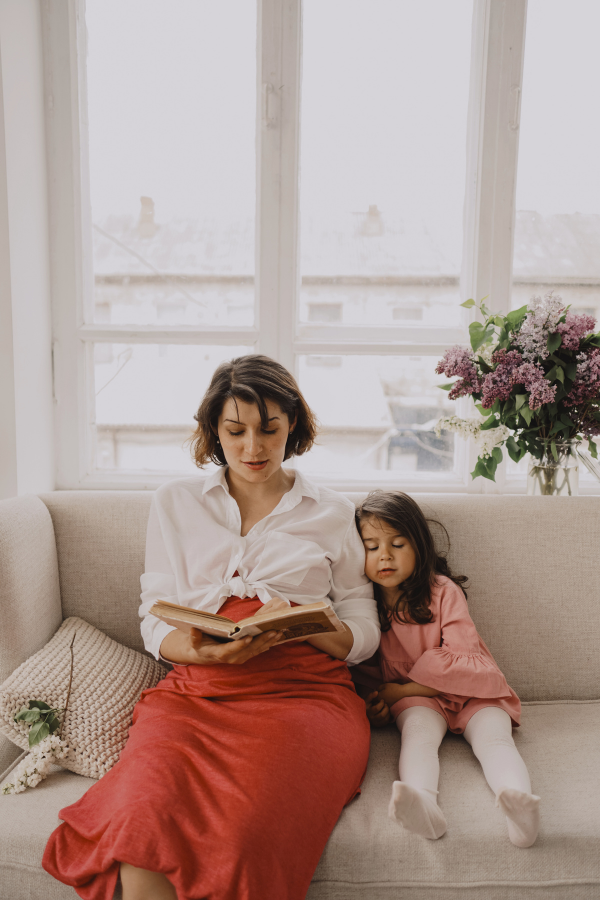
(391, 693)
(200, 649)
(378, 712)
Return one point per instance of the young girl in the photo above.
(439, 674)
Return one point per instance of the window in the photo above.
(557, 233)
(281, 176)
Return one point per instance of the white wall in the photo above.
(26, 427)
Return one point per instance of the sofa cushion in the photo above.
(371, 858)
(101, 540)
(108, 679)
(368, 856)
(534, 590)
(531, 562)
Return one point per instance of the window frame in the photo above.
(498, 38)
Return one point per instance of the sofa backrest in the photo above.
(532, 564)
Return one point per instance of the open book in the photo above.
(295, 622)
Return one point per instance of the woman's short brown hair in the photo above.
(252, 379)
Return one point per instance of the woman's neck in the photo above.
(255, 501)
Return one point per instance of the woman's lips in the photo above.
(256, 466)
(385, 572)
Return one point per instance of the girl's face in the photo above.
(389, 557)
(252, 452)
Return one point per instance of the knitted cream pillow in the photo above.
(108, 679)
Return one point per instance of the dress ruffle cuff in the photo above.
(464, 675)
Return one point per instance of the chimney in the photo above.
(147, 227)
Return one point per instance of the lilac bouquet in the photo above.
(535, 374)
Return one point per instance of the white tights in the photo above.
(489, 732)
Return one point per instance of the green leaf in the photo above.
(53, 723)
(484, 309)
(38, 733)
(558, 426)
(567, 420)
(520, 399)
(571, 370)
(483, 365)
(468, 304)
(476, 332)
(515, 317)
(556, 373)
(499, 321)
(483, 468)
(593, 448)
(554, 451)
(38, 704)
(515, 450)
(446, 387)
(27, 715)
(492, 422)
(526, 413)
(497, 455)
(482, 410)
(554, 342)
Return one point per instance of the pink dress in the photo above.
(448, 655)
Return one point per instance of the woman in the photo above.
(240, 761)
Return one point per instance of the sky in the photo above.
(172, 99)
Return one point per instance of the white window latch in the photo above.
(269, 105)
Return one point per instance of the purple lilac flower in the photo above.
(532, 378)
(458, 361)
(587, 382)
(498, 384)
(574, 328)
(589, 427)
(540, 321)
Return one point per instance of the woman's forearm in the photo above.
(176, 648)
(338, 644)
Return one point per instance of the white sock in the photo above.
(522, 813)
(417, 811)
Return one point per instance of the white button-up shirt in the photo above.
(307, 549)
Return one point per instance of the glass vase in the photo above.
(550, 477)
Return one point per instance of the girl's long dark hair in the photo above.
(400, 512)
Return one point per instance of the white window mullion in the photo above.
(63, 25)
(278, 116)
(492, 146)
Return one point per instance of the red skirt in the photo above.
(231, 781)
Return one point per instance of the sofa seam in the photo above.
(462, 884)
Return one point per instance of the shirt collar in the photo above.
(302, 487)
(217, 478)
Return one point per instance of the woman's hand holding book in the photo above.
(196, 648)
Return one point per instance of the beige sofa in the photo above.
(535, 596)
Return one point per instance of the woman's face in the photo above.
(253, 453)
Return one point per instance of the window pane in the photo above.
(376, 413)
(557, 234)
(146, 398)
(384, 118)
(172, 104)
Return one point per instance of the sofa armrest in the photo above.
(30, 607)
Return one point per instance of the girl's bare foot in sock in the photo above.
(522, 813)
(417, 811)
